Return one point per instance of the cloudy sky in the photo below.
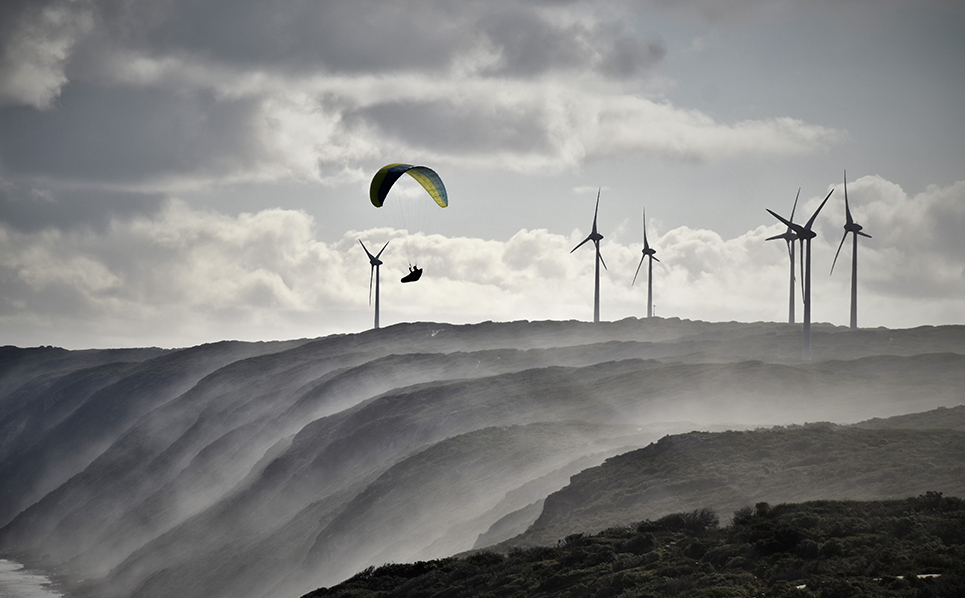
(175, 172)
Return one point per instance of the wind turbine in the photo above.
(595, 236)
(850, 226)
(804, 235)
(647, 252)
(790, 237)
(374, 263)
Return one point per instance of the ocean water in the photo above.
(17, 582)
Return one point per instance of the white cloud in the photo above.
(308, 124)
(915, 251)
(187, 276)
(34, 55)
(182, 277)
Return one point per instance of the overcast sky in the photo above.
(175, 172)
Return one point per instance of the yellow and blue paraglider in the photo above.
(387, 176)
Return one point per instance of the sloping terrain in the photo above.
(903, 548)
(268, 469)
(728, 470)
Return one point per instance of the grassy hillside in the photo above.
(913, 547)
(724, 471)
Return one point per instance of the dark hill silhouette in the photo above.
(268, 469)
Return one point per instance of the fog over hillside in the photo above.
(269, 469)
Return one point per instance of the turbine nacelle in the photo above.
(374, 259)
(595, 237)
(856, 229)
(804, 233)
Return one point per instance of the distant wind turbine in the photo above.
(790, 237)
(595, 236)
(374, 263)
(804, 235)
(647, 252)
(850, 226)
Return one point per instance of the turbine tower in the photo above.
(804, 235)
(647, 252)
(789, 237)
(374, 263)
(595, 236)
(850, 226)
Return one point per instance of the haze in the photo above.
(269, 469)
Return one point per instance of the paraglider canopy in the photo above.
(388, 175)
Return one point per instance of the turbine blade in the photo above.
(794, 207)
(600, 255)
(379, 254)
(371, 276)
(638, 270)
(846, 187)
(840, 245)
(597, 209)
(847, 208)
(781, 218)
(367, 252)
(645, 244)
(817, 211)
(581, 243)
(864, 234)
(653, 258)
(780, 236)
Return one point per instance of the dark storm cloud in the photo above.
(11, 12)
(444, 127)
(147, 92)
(367, 35)
(530, 45)
(629, 55)
(127, 135)
(293, 34)
(32, 208)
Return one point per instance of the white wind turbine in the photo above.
(647, 252)
(374, 263)
(804, 235)
(595, 236)
(850, 226)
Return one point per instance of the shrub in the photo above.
(694, 522)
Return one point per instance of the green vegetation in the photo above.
(727, 470)
(912, 547)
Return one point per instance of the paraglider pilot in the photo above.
(415, 273)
